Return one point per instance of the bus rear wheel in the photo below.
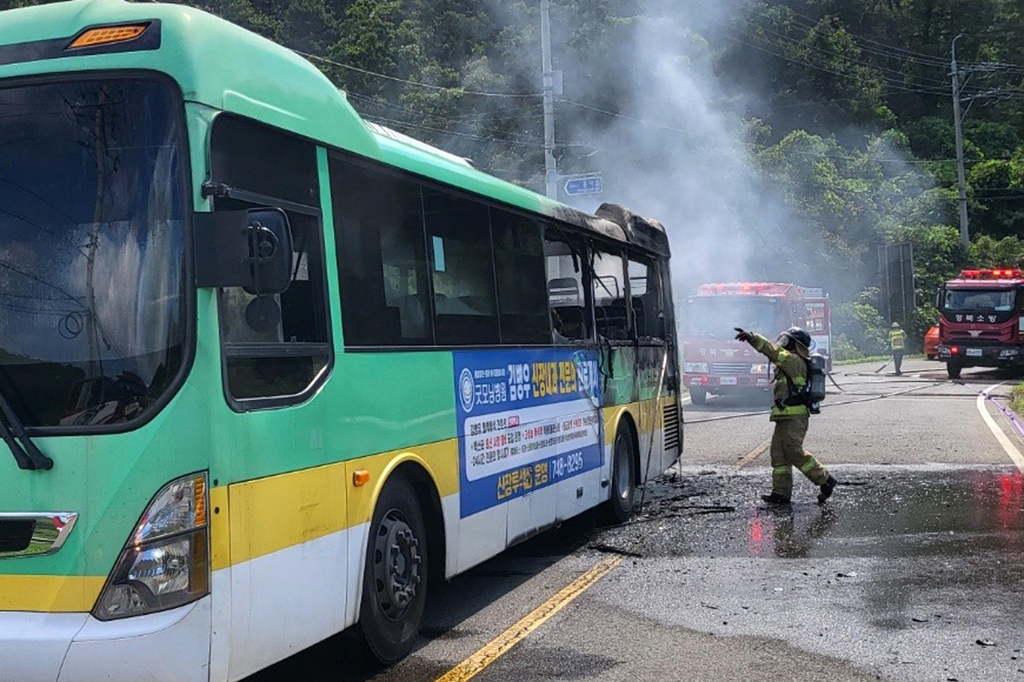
(953, 369)
(619, 507)
(395, 574)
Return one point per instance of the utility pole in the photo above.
(965, 239)
(550, 170)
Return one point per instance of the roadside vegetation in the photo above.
(1017, 399)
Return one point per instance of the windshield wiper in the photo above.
(25, 452)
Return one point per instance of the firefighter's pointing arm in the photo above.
(760, 344)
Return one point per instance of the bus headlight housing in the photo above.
(759, 369)
(695, 368)
(166, 561)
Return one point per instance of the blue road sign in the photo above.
(578, 186)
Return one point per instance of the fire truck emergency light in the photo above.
(996, 273)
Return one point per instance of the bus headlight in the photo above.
(695, 368)
(759, 369)
(166, 561)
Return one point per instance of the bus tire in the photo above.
(953, 369)
(395, 574)
(619, 507)
(698, 396)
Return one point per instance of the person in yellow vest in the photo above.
(789, 353)
(897, 342)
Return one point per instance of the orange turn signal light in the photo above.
(200, 501)
(105, 36)
(360, 477)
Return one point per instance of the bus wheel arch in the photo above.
(426, 489)
(405, 547)
(625, 471)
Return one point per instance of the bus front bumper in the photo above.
(75, 647)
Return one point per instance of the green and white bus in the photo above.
(267, 370)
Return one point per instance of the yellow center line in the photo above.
(498, 646)
(755, 453)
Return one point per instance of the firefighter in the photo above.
(789, 353)
(897, 342)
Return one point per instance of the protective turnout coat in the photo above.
(791, 364)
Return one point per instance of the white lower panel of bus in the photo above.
(32, 645)
(286, 601)
(172, 646)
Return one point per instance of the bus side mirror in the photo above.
(938, 299)
(250, 249)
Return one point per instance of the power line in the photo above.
(417, 126)
(930, 82)
(897, 85)
(416, 83)
(439, 119)
(622, 116)
(899, 52)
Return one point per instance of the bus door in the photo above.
(285, 511)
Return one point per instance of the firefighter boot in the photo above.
(775, 498)
(826, 489)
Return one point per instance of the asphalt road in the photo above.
(913, 571)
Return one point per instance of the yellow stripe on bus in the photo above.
(49, 593)
(441, 461)
(642, 413)
(266, 515)
(270, 514)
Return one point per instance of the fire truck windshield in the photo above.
(716, 316)
(1000, 300)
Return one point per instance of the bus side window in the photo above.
(277, 357)
(646, 298)
(382, 258)
(461, 269)
(611, 314)
(567, 281)
(519, 265)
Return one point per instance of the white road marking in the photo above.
(997, 431)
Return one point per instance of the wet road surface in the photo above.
(913, 571)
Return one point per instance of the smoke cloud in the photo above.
(679, 152)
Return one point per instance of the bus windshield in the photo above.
(716, 316)
(92, 270)
(999, 300)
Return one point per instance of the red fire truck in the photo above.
(715, 363)
(982, 320)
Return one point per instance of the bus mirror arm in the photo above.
(250, 248)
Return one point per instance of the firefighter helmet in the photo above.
(797, 334)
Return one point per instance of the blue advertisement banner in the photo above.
(526, 419)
